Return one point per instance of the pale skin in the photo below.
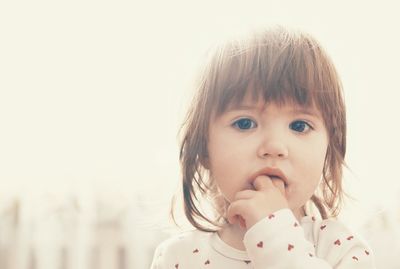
(250, 206)
(265, 158)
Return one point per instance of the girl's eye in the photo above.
(300, 126)
(244, 124)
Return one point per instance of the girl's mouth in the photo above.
(278, 178)
(271, 172)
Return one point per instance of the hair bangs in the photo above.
(284, 71)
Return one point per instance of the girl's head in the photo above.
(248, 86)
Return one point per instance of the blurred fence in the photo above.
(67, 232)
(62, 231)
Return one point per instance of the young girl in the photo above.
(265, 142)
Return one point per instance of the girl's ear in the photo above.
(205, 162)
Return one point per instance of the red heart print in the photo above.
(337, 242)
(260, 244)
(207, 262)
(323, 227)
(350, 237)
(271, 216)
(290, 247)
(177, 265)
(195, 251)
(354, 258)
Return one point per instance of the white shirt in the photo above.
(278, 241)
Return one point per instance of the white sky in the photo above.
(92, 93)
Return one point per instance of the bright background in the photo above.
(92, 93)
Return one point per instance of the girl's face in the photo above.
(287, 143)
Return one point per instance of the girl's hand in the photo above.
(250, 206)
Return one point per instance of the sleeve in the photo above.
(170, 254)
(278, 241)
(157, 262)
(165, 257)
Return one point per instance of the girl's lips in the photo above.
(271, 172)
(278, 178)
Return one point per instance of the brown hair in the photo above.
(281, 65)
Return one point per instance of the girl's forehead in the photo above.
(257, 91)
(250, 101)
(290, 107)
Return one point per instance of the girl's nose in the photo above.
(273, 148)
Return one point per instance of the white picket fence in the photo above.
(70, 232)
(61, 231)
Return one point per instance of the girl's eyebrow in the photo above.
(298, 110)
(241, 107)
(245, 106)
(308, 111)
(311, 111)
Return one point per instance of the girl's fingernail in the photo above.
(242, 223)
